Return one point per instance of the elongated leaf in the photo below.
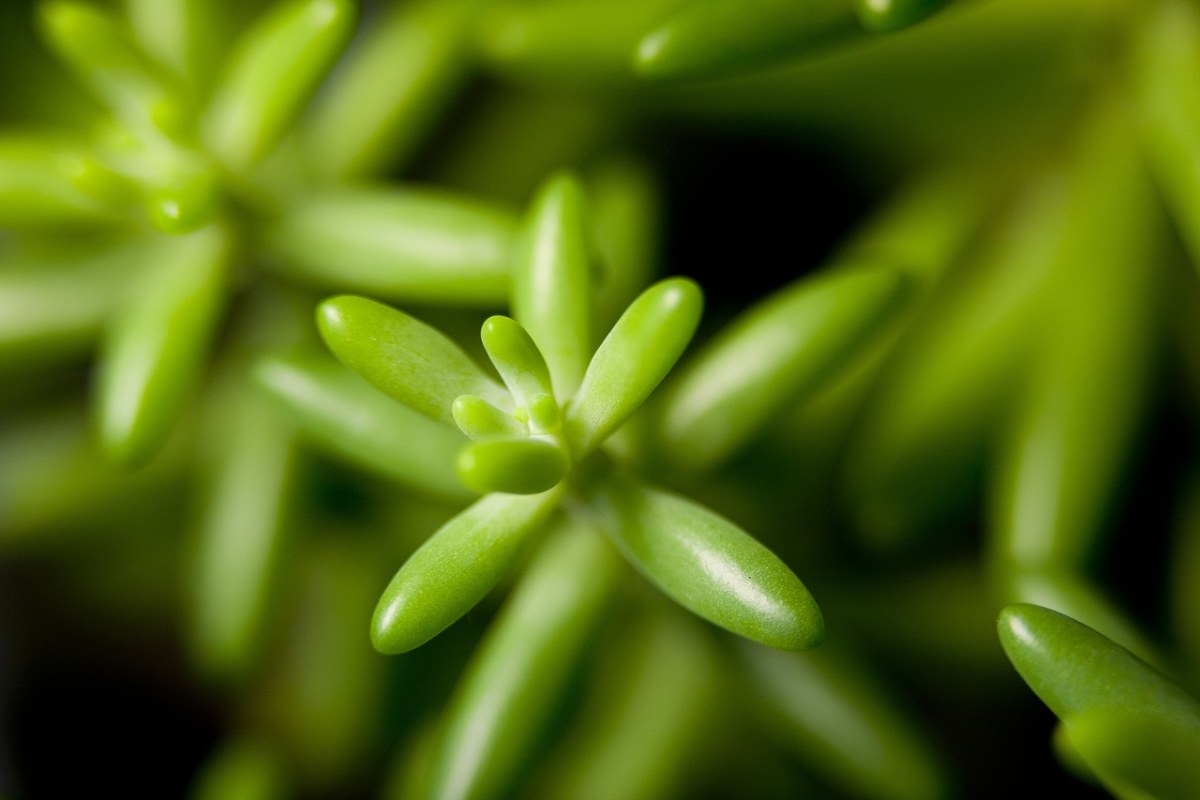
(36, 185)
(708, 565)
(626, 215)
(54, 311)
(397, 244)
(1167, 63)
(155, 350)
(581, 41)
(827, 709)
(455, 568)
(241, 535)
(343, 414)
(274, 69)
(642, 729)
(780, 352)
(1090, 682)
(517, 359)
(390, 89)
(97, 47)
(885, 16)
(710, 38)
(632, 360)
(551, 281)
(1064, 454)
(515, 466)
(517, 676)
(403, 356)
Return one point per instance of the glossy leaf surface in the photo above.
(551, 281)
(708, 565)
(517, 359)
(1089, 681)
(885, 16)
(345, 415)
(632, 360)
(515, 466)
(455, 568)
(406, 244)
(517, 676)
(403, 357)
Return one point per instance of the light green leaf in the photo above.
(778, 353)
(708, 565)
(455, 568)
(155, 349)
(273, 70)
(714, 38)
(886, 16)
(516, 466)
(404, 357)
(390, 89)
(481, 420)
(551, 281)
(517, 359)
(403, 244)
(37, 182)
(636, 355)
(344, 415)
(516, 678)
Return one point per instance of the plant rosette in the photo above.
(536, 440)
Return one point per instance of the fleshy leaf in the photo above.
(154, 351)
(403, 357)
(632, 360)
(517, 359)
(481, 420)
(455, 568)
(777, 354)
(551, 291)
(518, 674)
(885, 16)
(712, 38)
(274, 68)
(708, 565)
(390, 89)
(342, 413)
(397, 244)
(516, 466)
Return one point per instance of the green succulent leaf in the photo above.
(517, 359)
(1110, 695)
(627, 217)
(779, 353)
(389, 90)
(712, 38)
(455, 568)
(404, 357)
(586, 41)
(244, 767)
(518, 674)
(408, 244)
(274, 69)
(177, 33)
(235, 565)
(100, 50)
(38, 182)
(886, 16)
(829, 710)
(343, 414)
(551, 281)
(708, 565)
(632, 360)
(480, 420)
(154, 351)
(515, 466)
